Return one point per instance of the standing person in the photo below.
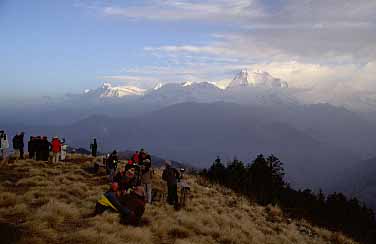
(112, 162)
(171, 176)
(16, 146)
(31, 147)
(56, 149)
(141, 155)
(21, 144)
(4, 145)
(135, 157)
(64, 148)
(146, 179)
(94, 148)
(1, 137)
(45, 148)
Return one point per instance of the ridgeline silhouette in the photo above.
(262, 181)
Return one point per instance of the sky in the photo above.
(52, 47)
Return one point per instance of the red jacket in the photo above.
(135, 158)
(55, 145)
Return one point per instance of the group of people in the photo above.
(129, 183)
(39, 148)
(131, 186)
(137, 171)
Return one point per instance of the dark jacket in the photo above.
(170, 175)
(112, 161)
(124, 182)
(136, 204)
(15, 142)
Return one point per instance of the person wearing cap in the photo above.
(146, 176)
(56, 149)
(171, 176)
(135, 203)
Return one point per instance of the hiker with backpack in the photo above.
(171, 176)
(94, 148)
(56, 149)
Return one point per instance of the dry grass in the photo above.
(52, 204)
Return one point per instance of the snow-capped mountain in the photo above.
(173, 93)
(158, 86)
(107, 90)
(240, 80)
(257, 87)
(256, 79)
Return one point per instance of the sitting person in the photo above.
(131, 206)
(110, 201)
(135, 202)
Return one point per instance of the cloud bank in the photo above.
(323, 46)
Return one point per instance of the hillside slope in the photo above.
(41, 203)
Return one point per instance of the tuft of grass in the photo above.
(7, 199)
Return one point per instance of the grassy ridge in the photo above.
(45, 203)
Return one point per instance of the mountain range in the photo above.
(192, 123)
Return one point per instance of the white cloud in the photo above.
(187, 10)
(324, 46)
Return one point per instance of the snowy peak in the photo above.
(256, 79)
(107, 90)
(264, 79)
(187, 83)
(158, 86)
(240, 80)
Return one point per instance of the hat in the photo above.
(168, 162)
(139, 190)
